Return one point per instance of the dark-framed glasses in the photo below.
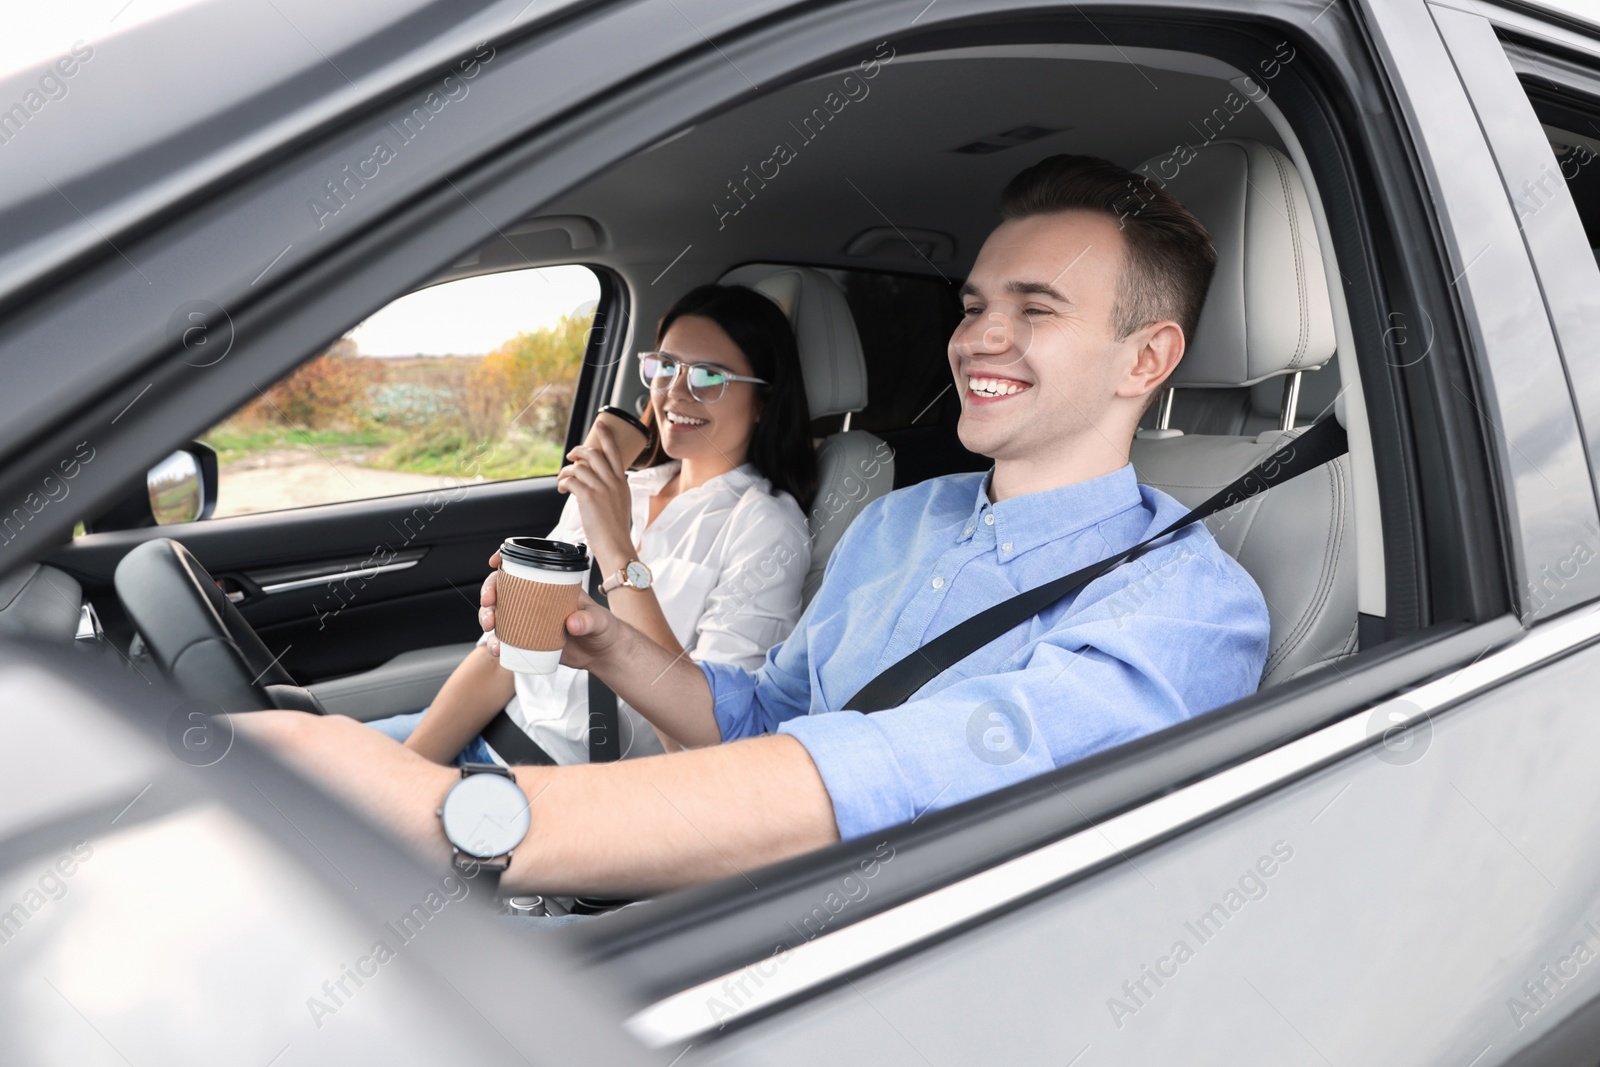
(707, 381)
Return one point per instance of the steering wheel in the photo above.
(196, 635)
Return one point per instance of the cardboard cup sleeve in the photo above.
(533, 615)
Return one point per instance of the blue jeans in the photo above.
(400, 727)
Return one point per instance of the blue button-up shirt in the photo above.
(1179, 631)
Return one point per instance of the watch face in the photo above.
(485, 815)
(638, 575)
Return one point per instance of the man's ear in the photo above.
(1158, 348)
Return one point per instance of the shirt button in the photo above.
(938, 583)
(1006, 547)
(988, 520)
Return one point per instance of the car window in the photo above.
(465, 381)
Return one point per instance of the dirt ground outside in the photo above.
(302, 477)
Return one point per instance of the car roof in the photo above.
(161, 105)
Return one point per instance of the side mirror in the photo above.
(181, 488)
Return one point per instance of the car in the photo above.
(1385, 855)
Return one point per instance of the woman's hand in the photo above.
(591, 628)
(597, 477)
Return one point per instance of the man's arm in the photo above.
(635, 827)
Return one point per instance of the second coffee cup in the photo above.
(536, 590)
(631, 435)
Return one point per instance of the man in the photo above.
(1075, 313)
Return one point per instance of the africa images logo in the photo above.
(999, 732)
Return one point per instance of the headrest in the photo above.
(831, 362)
(1267, 312)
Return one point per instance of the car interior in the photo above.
(888, 188)
(1266, 357)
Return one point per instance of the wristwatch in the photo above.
(635, 574)
(485, 816)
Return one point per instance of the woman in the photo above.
(717, 514)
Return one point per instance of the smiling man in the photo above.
(1075, 313)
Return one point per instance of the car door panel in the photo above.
(361, 619)
(1417, 882)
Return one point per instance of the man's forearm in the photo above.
(634, 827)
(647, 825)
(669, 690)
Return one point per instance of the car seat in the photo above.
(1267, 318)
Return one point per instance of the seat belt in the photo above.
(513, 744)
(605, 742)
(1322, 442)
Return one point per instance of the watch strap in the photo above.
(469, 769)
(619, 578)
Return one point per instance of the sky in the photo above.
(475, 315)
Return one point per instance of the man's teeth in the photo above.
(995, 386)
(684, 420)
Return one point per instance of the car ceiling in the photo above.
(885, 159)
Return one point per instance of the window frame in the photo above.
(1569, 278)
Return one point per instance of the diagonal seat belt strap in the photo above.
(605, 738)
(1321, 443)
(514, 746)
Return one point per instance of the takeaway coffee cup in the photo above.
(536, 591)
(629, 433)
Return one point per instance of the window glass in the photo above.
(466, 381)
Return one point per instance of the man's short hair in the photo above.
(1170, 257)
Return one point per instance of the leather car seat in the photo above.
(854, 467)
(1267, 315)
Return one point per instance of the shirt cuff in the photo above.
(859, 770)
(732, 698)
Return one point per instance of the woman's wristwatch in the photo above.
(635, 574)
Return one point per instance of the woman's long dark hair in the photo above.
(780, 447)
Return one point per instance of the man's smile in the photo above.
(991, 388)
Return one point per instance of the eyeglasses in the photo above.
(707, 381)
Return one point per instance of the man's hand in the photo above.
(592, 630)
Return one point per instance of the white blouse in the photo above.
(728, 561)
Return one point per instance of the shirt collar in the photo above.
(1033, 519)
(652, 480)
